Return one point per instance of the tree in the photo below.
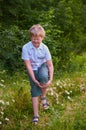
(63, 20)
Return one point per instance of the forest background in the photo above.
(65, 24)
(63, 20)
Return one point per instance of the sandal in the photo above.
(35, 119)
(46, 104)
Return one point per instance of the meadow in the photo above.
(66, 96)
(64, 22)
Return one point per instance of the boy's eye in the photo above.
(35, 39)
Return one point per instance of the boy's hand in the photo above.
(46, 84)
(43, 85)
(38, 83)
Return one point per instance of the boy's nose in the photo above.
(35, 40)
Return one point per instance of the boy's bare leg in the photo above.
(35, 105)
(44, 90)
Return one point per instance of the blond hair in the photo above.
(37, 30)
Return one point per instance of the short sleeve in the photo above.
(25, 55)
(47, 53)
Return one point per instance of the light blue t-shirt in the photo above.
(37, 56)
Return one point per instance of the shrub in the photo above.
(12, 40)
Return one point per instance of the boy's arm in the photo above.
(51, 70)
(30, 71)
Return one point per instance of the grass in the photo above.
(66, 95)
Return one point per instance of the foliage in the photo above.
(65, 25)
(67, 31)
(12, 40)
(22, 13)
(66, 97)
(63, 20)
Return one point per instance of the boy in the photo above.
(37, 59)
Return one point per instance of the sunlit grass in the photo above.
(66, 95)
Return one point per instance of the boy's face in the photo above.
(36, 40)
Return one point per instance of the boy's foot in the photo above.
(35, 119)
(45, 104)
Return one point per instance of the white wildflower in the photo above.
(70, 91)
(7, 103)
(14, 83)
(2, 72)
(6, 119)
(13, 100)
(67, 92)
(69, 98)
(2, 80)
(57, 83)
(2, 113)
(57, 102)
(52, 93)
(1, 101)
(60, 86)
(0, 122)
(65, 84)
(2, 108)
(2, 85)
(50, 89)
(57, 95)
(49, 94)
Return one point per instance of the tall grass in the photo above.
(66, 95)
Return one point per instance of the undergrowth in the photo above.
(66, 96)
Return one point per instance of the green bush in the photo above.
(12, 40)
(77, 63)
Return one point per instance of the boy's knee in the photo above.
(43, 74)
(43, 78)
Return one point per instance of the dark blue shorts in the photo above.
(42, 75)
